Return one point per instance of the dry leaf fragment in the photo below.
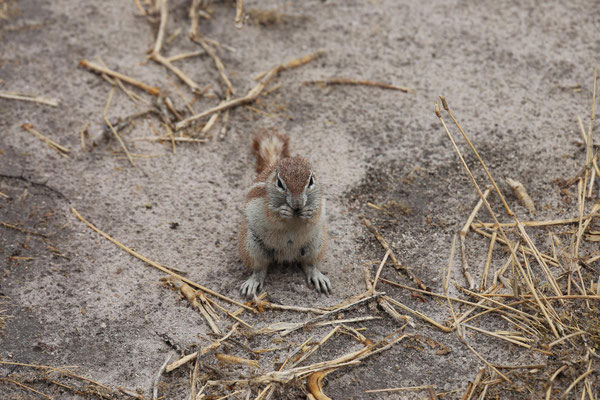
(315, 384)
(229, 359)
(519, 191)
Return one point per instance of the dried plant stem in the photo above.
(27, 231)
(488, 261)
(180, 74)
(193, 14)
(239, 13)
(463, 234)
(386, 247)
(567, 337)
(345, 360)
(521, 193)
(63, 151)
(329, 314)
(171, 138)
(446, 281)
(418, 314)
(387, 253)
(112, 128)
(362, 82)
(520, 226)
(159, 374)
(497, 336)
(250, 96)
(24, 97)
(218, 63)
(164, 14)
(486, 362)
(158, 266)
(183, 56)
(508, 210)
(550, 260)
(204, 350)
(575, 382)
(314, 348)
(229, 314)
(400, 389)
(27, 388)
(533, 223)
(395, 315)
(82, 134)
(192, 297)
(551, 380)
(274, 306)
(101, 70)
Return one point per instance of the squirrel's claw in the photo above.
(320, 281)
(252, 286)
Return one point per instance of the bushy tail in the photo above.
(268, 148)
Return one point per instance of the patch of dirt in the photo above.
(516, 76)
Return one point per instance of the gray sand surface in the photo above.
(516, 74)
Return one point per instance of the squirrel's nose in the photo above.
(297, 203)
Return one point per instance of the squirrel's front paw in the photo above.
(285, 212)
(316, 277)
(307, 213)
(252, 286)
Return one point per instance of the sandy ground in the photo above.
(516, 73)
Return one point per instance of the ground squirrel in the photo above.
(284, 215)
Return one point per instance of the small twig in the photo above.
(400, 389)
(239, 13)
(164, 14)
(158, 375)
(11, 226)
(322, 317)
(446, 281)
(82, 135)
(204, 350)
(27, 387)
(387, 253)
(274, 306)
(101, 70)
(183, 56)
(463, 234)
(193, 14)
(488, 262)
(24, 97)
(486, 362)
(112, 128)
(169, 138)
(363, 82)
(180, 74)
(395, 315)
(418, 314)
(218, 63)
(251, 95)
(575, 382)
(63, 151)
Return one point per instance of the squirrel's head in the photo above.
(294, 190)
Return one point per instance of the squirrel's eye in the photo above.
(311, 181)
(280, 184)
